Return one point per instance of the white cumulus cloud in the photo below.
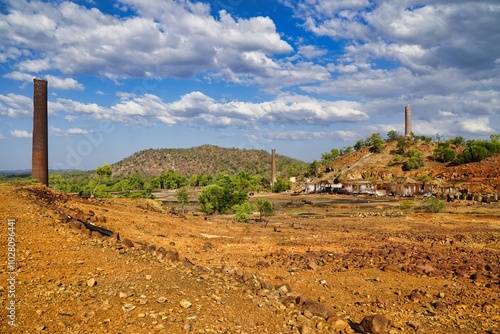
(21, 134)
(158, 39)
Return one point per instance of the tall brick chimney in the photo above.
(273, 166)
(40, 150)
(407, 121)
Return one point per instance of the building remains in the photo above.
(401, 186)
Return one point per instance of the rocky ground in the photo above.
(323, 264)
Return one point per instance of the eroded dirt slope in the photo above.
(321, 265)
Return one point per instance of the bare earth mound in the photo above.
(324, 264)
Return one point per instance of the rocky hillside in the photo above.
(206, 159)
(364, 165)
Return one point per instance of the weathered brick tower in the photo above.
(40, 150)
(407, 121)
(273, 166)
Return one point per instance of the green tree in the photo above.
(149, 186)
(201, 180)
(402, 145)
(281, 185)
(416, 160)
(120, 185)
(222, 195)
(57, 182)
(345, 150)
(182, 198)
(327, 158)
(211, 199)
(172, 180)
(102, 174)
(135, 182)
(431, 205)
(242, 212)
(312, 168)
(359, 145)
(407, 206)
(392, 135)
(457, 141)
(449, 155)
(293, 169)
(397, 158)
(245, 182)
(476, 150)
(443, 152)
(265, 207)
(376, 142)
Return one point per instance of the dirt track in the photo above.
(320, 266)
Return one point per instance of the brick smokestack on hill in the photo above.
(273, 166)
(407, 121)
(40, 151)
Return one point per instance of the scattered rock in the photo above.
(128, 307)
(283, 288)
(188, 327)
(337, 323)
(374, 324)
(391, 268)
(316, 309)
(311, 265)
(91, 282)
(415, 296)
(128, 243)
(185, 304)
(306, 328)
(162, 300)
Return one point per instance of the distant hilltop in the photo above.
(28, 171)
(205, 159)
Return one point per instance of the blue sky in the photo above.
(300, 76)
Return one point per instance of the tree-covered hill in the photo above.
(206, 159)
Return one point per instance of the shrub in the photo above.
(392, 135)
(359, 145)
(431, 205)
(265, 207)
(281, 185)
(182, 198)
(407, 206)
(376, 143)
(402, 145)
(397, 158)
(416, 160)
(444, 153)
(423, 177)
(242, 212)
(211, 199)
(220, 197)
